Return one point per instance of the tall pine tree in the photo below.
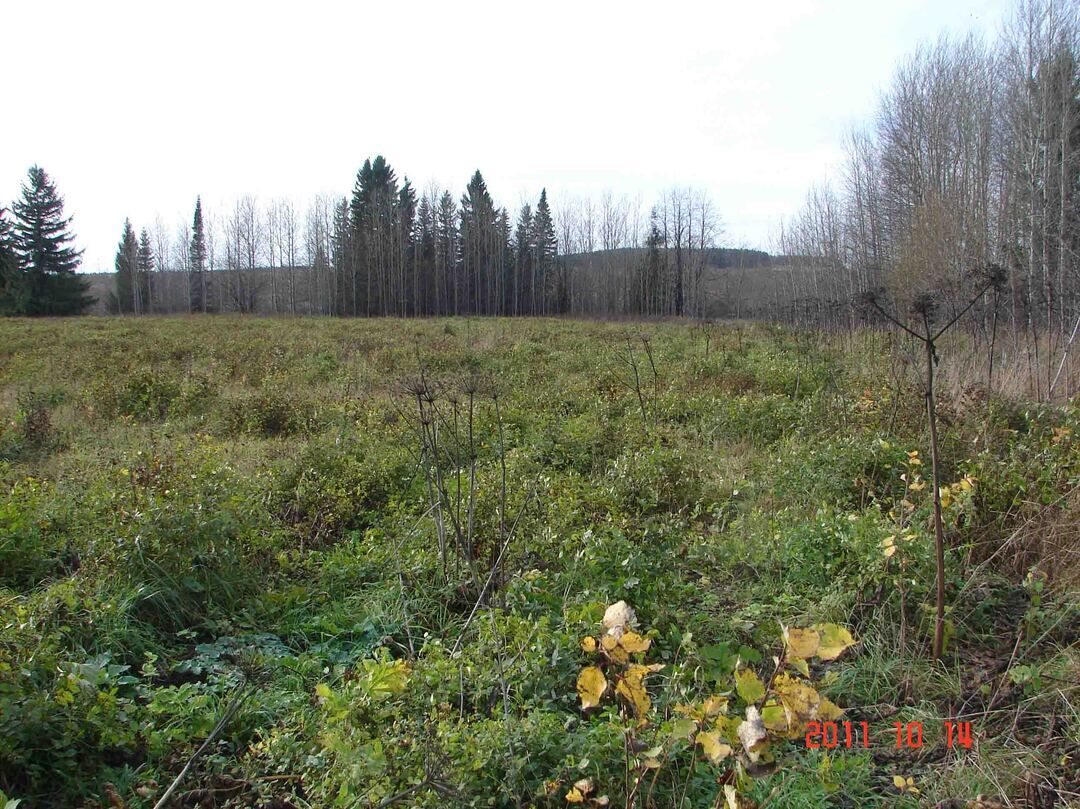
(43, 243)
(144, 266)
(197, 255)
(523, 303)
(126, 256)
(11, 299)
(549, 294)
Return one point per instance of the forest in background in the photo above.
(970, 166)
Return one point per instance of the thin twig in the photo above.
(238, 699)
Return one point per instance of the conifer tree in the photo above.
(545, 251)
(478, 227)
(197, 255)
(342, 245)
(10, 287)
(504, 262)
(405, 279)
(425, 257)
(144, 266)
(523, 264)
(126, 257)
(446, 253)
(43, 244)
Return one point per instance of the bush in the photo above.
(272, 411)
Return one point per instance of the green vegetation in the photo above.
(38, 261)
(375, 557)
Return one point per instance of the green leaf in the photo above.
(748, 686)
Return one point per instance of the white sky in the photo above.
(137, 107)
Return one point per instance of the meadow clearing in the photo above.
(372, 558)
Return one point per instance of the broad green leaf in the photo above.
(799, 665)
(774, 716)
(683, 728)
(748, 686)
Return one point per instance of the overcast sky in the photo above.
(135, 108)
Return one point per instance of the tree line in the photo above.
(389, 250)
(970, 169)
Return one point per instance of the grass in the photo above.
(197, 505)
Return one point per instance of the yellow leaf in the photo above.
(905, 784)
(575, 796)
(834, 640)
(715, 705)
(633, 642)
(800, 666)
(591, 685)
(714, 749)
(829, 711)
(801, 643)
(693, 711)
(748, 686)
(631, 687)
(916, 486)
(800, 701)
(888, 546)
(588, 645)
(615, 652)
(584, 786)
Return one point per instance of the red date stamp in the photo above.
(909, 735)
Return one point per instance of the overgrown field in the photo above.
(386, 544)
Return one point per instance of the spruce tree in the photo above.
(407, 276)
(343, 247)
(477, 256)
(197, 255)
(425, 257)
(43, 243)
(545, 250)
(144, 265)
(126, 256)
(11, 299)
(447, 288)
(524, 303)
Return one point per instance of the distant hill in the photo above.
(719, 257)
